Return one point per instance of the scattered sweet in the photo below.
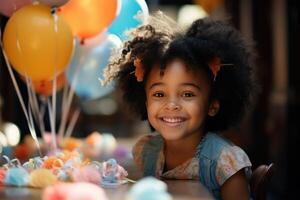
(63, 166)
(149, 188)
(74, 191)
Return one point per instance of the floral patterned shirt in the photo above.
(216, 157)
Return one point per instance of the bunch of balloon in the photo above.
(88, 64)
(38, 44)
(89, 18)
(132, 14)
(45, 87)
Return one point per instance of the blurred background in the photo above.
(269, 133)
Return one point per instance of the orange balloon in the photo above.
(209, 5)
(45, 87)
(88, 18)
(37, 43)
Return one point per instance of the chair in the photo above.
(260, 180)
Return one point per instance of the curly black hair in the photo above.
(206, 39)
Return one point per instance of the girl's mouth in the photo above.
(173, 121)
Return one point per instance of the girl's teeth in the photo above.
(172, 120)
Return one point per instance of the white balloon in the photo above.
(53, 3)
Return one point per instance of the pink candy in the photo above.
(74, 191)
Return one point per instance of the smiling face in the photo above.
(178, 102)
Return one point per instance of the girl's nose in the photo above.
(172, 105)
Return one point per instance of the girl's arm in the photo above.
(236, 187)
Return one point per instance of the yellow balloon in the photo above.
(38, 44)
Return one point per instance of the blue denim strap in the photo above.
(208, 153)
(150, 154)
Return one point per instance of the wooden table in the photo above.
(179, 189)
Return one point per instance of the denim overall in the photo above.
(208, 152)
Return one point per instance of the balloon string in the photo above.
(54, 88)
(32, 106)
(41, 119)
(12, 76)
(63, 119)
(53, 119)
(54, 145)
(30, 97)
(67, 102)
(33, 130)
(72, 123)
(65, 112)
(35, 107)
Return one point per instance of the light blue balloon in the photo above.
(87, 66)
(127, 18)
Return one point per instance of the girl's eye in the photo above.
(188, 94)
(158, 94)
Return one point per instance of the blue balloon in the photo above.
(127, 18)
(86, 68)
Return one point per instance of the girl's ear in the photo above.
(214, 108)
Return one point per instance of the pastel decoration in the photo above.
(21, 152)
(16, 176)
(8, 7)
(87, 67)
(108, 143)
(92, 145)
(99, 145)
(71, 144)
(41, 178)
(2, 176)
(132, 14)
(63, 175)
(8, 151)
(86, 174)
(94, 139)
(53, 162)
(121, 153)
(38, 44)
(89, 18)
(74, 191)
(30, 145)
(33, 163)
(69, 155)
(53, 3)
(112, 173)
(149, 188)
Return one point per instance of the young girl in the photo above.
(190, 86)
